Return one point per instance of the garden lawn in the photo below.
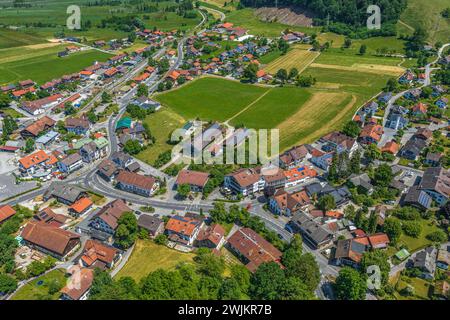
(421, 288)
(414, 244)
(33, 291)
(210, 98)
(162, 123)
(148, 256)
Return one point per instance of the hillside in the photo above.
(427, 14)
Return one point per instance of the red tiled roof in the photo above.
(94, 250)
(81, 205)
(254, 248)
(195, 178)
(83, 283)
(6, 212)
(182, 225)
(134, 179)
(50, 238)
(34, 159)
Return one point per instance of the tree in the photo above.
(305, 268)
(383, 175)
(283, 46)
(29, 145)
(230, 290)
(355, 162)
(106, 97)
(326, 202)
(294, 289)
(351, 129)
(362, 49)
(5, 100)
(267, 282)
(250, 72)
(282, 75)
(347, 42)
(437, 236)
(306, 81)
(142, 90)
(132, 147)
(350, 285)
(391, 85)
(127, 230)
(7, 284)
(9, 125)
(183, 190)
(412, 228)
(376, 258)
(393, 228)
(293, 73)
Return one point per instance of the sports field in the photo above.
(296, 58)
(40, 62)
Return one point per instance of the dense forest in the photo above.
(351, 12)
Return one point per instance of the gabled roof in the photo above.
(214, 233)
(6, 212)
(137, 180)
(81, 205)
(48, 237)
(182, 225)
(40, 125)
(195, 178)
(34, 159)
(254, 248)
(96, 251)
(84, 282)
(111, 212)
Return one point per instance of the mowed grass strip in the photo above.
(321, 114)
(162, 123)
(33, 291)
(211, 98)
(295, 58)
(148, 257)
(10, 38)
(272, 109)
(367, 68)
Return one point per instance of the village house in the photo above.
(412, 148)
(37, 107)
(183, 230)
(391, 147)
(349, 252)
(106, 219)
(84, 279)
(362, 181)
(425, 261)
(78, 126)
(71, 163)
(153, 225)
(6, 212)
(135, 183)
(64, 193)
(50, 240)
(245, 181)
(252, 249)
(80, 207)
(34, 162)
(298, 175)
(212, 237)
(293, 157)
(121, 159)
(313, 233)
(433, 159)
(38, 127)
(371, 133)
(48, 216)
(107, 170)
(98, 255)
(339, 142)
(195, 179)
(417, 198)
(436, 183)
(284, 203)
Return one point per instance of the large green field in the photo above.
(211, 98)
(43, 64)
(148, 257)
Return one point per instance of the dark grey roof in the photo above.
(311, 229)
(65, 191)
(70, 160)
(149, 223)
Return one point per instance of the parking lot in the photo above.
(9, 188)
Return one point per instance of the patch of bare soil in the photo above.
(288, 15)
